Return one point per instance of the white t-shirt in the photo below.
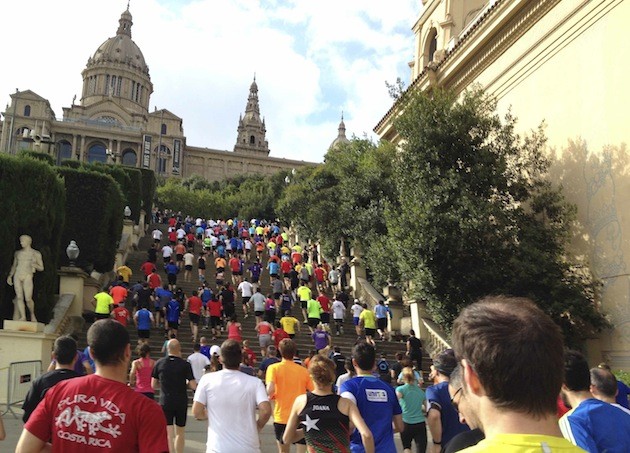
(167, 251)
(157, 234)
(198, 361)
(181, 233)
(356, 310)
(338, 309)
(189, 259)
(231, 420)
(214, 240)
(245, 288)
(248, 244)
(198, 221)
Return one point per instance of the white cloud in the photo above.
(311, 59)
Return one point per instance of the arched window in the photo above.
(252, 140)
(129, 158)
(430, 46)
(97, 153)
(64, 151)
(27, 110)
(163, 130)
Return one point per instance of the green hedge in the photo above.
(71, 163)
(32, 202)
(134, 192)
(148, 190)
(94, 214)
(37, 155)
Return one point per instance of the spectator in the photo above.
(604, 387)
(623, 390)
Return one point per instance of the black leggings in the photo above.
(416, 432)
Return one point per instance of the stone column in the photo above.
(71, 281)
(394, 302)
(82, 149)
(357, 269)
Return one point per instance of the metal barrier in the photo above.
(21, 377)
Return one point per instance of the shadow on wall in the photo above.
(598, 183)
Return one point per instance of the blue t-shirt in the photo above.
(163, 296)
(377, 404)
(622, 394)
(597, 426)
(172, 311)
(273, 267)
(439, 398)
(171, 268)
(206, 295)
(144, 319)
(381, 311)
(234, 243)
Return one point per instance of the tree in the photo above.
(477, 214)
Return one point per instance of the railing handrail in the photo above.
(436, 340)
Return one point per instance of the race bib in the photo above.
(376, 395)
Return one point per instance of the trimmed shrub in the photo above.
(94, 214)
(32, 203)
(37, 155)
(134, 192)
(71, 163)
(148, 189)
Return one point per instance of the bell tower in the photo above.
(251, 137)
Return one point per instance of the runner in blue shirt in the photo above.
(143, 319)
(172, 317)
(376, 400)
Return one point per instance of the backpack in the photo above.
(383, 370)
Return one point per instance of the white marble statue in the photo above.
(26, 262)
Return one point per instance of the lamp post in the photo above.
(73, 252)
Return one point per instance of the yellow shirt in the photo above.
(125, 272)
(304, 293)
(368, 318)
(289, 324)
(103, 301)
(291, 380)
(524, 443)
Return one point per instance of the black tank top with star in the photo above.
(326, 429)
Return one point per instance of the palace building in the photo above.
(564, 63)
(111, 122)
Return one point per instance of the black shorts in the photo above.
(215, 321)
(259, 313)
(237, 272)
(144, 333)
(381, 323)
(176, 412)
(101, 315)
(279, 429)
(303, 304)
(370, 332)
(180, 257)
(220, 269)
(274, 275)
(188, 267)
(194, 318)
(173, 325)
(312, 322)
(277, 295)
(245, 300)
(325, 318)
(172, 279)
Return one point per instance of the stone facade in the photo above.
(111, 123)
(565, 63)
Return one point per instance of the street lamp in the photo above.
(73, 252)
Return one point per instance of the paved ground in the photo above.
(195, 435)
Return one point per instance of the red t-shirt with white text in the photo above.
(95, 414)
(121, 314)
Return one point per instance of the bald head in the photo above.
(174, 348)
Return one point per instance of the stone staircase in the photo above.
(303, 339)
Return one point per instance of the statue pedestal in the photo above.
(20, 346)
(23, 326)
(72, 281)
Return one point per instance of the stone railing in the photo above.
(64, 322)
(365, 292)
(434, 340)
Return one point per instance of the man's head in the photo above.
(65, 350)
(444, 363)
(203, 341)
(287, 349)
(458, 393)
(196, 347)
(603, 385)
(174, 347)
(364, 356)
(506, 343)
(271, 351)
(231, 354)
(577, 377)
(109, 343)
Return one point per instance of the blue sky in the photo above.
(312, 60)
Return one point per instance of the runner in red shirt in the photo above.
(121, 314)
(119, 294)
(154, 280)
(215, 307)
(236, 269)
(324, 301)
(320, 276)
(172, 237)
(279, 334)
(147, 267)
(193, 304)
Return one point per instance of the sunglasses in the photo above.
(456, 403)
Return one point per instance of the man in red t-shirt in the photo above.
(119, 294)
(215, 307)
(147, 267)
(237, 270)
(121, 314)
(154, 280)
(320, 276)
(100, 411)
(279, 334)
(324, 301)
(193, 305)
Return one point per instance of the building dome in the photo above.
(121, 48)
(341, 135)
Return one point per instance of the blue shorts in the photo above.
(355, 321)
